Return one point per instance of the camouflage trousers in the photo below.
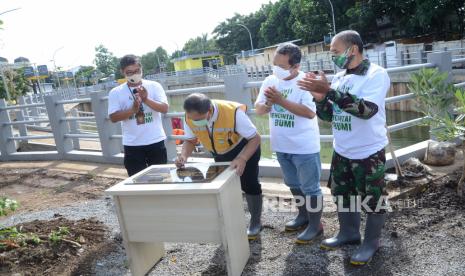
(350, 178)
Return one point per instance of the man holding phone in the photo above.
(138, 104)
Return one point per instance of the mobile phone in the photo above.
(134, 92)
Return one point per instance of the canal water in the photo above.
(400, 139)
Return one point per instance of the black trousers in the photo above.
(137, 158)
(249, 179)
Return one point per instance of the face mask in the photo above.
(200, 123)
(342, 61)
(136, 78)
(281, 73)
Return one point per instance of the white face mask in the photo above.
(281, 73)
(136, 78)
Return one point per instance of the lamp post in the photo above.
(250, 35)
(158, 59)
(174, 57)
(332, 12)
(177, 48)
(55, 65)
(10, 11)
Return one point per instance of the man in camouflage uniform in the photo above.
(354, 103)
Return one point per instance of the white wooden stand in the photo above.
(151, 214)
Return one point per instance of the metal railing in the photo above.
(329, 138)
(401, 59)
(458, 60)
(218, 72)
(66, 136)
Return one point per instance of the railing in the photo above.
(218, 73)
(69, 93)
(389, 61)
(68, 128)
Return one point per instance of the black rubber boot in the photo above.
(349, 231)
(314, 228)
(254, 203)
(370, 245)
(301, 220)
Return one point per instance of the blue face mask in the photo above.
(200, 123)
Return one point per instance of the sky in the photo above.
(68, 31)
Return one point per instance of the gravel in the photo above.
(415, 242)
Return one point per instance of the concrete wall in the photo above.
(255, 60)
(397, 54)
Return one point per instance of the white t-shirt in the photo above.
(290, 133)
(120, 98)
(357, 138)
(244, 125)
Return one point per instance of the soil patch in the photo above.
(39, 189)
(62, 247)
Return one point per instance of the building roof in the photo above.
(195, 56)
(21, 59)
(249, 53)
(276, 45)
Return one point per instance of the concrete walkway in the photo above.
(270, 186)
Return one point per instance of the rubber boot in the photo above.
(349, 231)
(301, 220)
(314, 228)
(371, 242)
(254, 203)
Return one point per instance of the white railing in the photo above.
(68, 128)
(402, 60)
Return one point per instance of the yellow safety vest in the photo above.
(224, 136)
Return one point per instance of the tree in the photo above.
(254, 22)
(16, 82)
(423, 17)
(311, 20)
(364, 16)
(105, 60)
(430, 16)
(155, 61)
(232, 38)
(84, 75)
(177, 54)
(458, 6)
(117, 72)
(278, 24)
(21, 86)
(200, 44)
